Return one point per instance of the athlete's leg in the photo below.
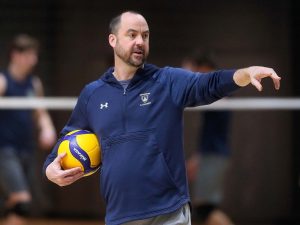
(14, 185)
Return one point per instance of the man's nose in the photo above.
(139, 40)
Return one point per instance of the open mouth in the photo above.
(138, 52)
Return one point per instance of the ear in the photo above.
(112, 39)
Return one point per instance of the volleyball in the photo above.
(82, 150)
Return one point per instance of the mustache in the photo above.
(139, 50)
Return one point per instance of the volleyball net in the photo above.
(68, 103)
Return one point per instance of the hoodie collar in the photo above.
(142, 73)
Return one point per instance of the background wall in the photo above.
(260, 185)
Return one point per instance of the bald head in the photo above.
(116, 22)
(129, 38)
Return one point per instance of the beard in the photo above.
(135, 57)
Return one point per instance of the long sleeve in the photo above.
(77, 120)
(189, 89)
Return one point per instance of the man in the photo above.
(17, 133)
(207, 166)
(143, 177)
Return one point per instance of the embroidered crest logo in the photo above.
(145, 99)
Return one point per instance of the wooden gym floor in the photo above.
(80, 222)
(61, 222)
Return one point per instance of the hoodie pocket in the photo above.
(135, 175)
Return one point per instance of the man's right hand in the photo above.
(61, 177)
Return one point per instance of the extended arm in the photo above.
(190, 89)
(253, 75)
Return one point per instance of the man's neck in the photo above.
(16, 72)
(123, 71)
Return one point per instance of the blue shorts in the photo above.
(16, 169)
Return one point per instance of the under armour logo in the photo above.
(105, 105)
(145, 99)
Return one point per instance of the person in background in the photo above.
(17, 133)
(207, 166)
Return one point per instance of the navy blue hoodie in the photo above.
(141, 134)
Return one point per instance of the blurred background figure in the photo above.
(17, 133)
(206, 167)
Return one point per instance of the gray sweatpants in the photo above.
(181, 216)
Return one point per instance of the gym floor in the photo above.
(61, 222)
(80, 222)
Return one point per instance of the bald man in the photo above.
(143, 175)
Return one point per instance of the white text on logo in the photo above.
(80, 155)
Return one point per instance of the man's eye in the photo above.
(132, 35)
(145, 36)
